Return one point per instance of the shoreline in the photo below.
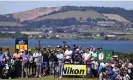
(69, 39)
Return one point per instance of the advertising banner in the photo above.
(105, 55)
(74, 70)
(21, 44)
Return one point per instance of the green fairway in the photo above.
(53, 78)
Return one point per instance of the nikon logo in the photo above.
(70, 70)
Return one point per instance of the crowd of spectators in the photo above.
(41, 62)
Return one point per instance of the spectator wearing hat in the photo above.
(31, 70)
(60, 57)
(49, 49)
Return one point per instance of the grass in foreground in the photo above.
(55, 78)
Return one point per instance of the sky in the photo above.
(7, 7)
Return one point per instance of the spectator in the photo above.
(86, 57)
(45, 61)
(60, 57)
(129, 66)
(31, 63)
(77, 59)
(94, 68)
(68, 55)
(2, 59)
(51, 62)
(38, 61)
(25, 63)
(17, 64)
(8, 58)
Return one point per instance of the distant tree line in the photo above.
(61, 22)
(53, 22)
(8, 18)
(13, 35)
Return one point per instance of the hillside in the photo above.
(66, 15)
(41, 12)
(32, 14)
(8, 20)
(12, 24)
(116, 17)
(127, 14)
(79, 15)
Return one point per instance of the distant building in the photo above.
(105, 23)
(110, 35)
(31, 32)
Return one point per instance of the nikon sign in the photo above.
(70, 69)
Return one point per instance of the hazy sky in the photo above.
(17, 6)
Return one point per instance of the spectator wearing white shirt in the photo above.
(68, 55)
(38, 59)
(95, 68)
(86, 56)
(60, 57)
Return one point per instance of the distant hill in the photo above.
(32, 14)
(66, 15)
(116, 17)
(127, 14)
(121, 14)
(41, 12)
(79, 15)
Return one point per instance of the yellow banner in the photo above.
(77, 70)
(22, 47)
